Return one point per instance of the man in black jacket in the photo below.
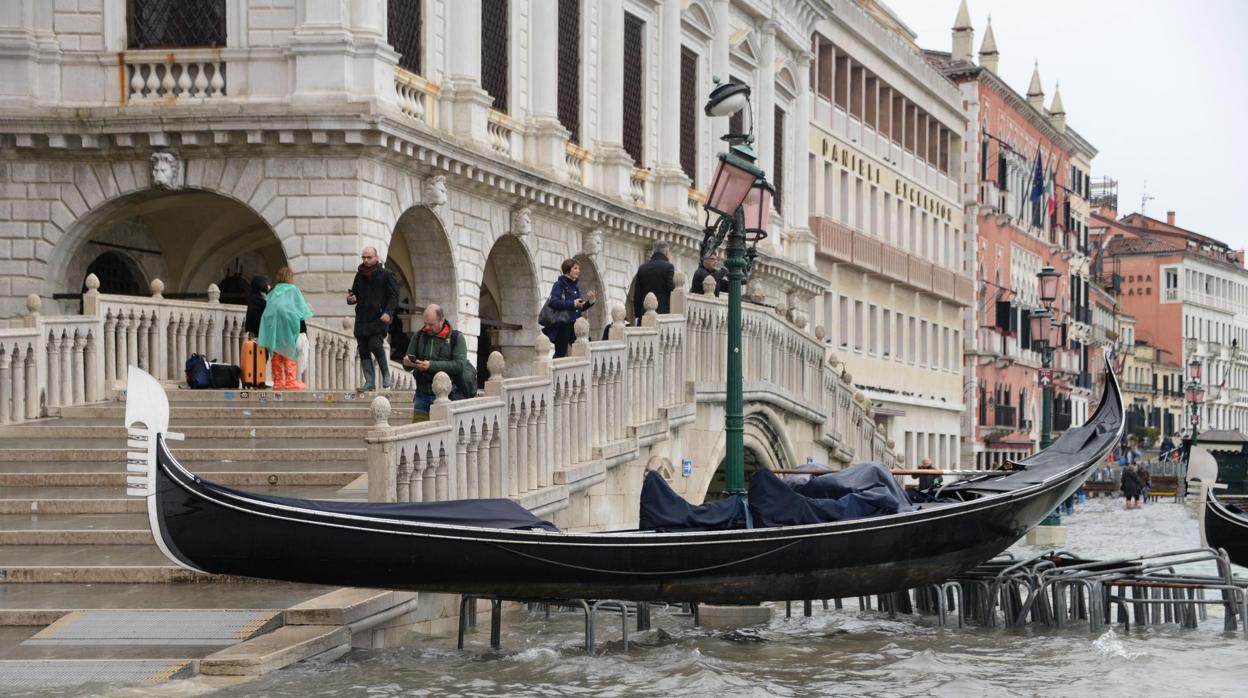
(708, 269)
(656, 276)
(375, 295)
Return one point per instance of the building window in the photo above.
(873, 329)
(403, 31)
(569, 87)
(634, 107)
(887, 326)
(175, 24)
(495, 49)
(858, 325)
(844, 323)
(689, 114)
(777, 176)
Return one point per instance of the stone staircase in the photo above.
(72, 541)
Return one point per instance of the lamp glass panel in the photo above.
(757, 208)
(729, 188)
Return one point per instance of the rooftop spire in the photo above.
(988, 57)
(1035, 93)
(964, 17)
(1057, 107)
(963, 36)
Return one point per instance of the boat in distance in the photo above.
(428, 546)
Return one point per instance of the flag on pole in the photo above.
(1051, 193)
(1037, 179)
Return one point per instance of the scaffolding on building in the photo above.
(1104, 193)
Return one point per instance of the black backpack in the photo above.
(197, 373)
(466, 384)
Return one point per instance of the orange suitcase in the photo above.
(254, 363)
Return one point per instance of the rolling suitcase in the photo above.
(255, 360)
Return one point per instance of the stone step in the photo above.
(128, 628)
(73, 443)
(286, 451)
(41, 604)
(183, 396)
(108, 503)
(193, 432)
(69, 529)
(243, 478)
(206, 468)
(241, 412)
(58, 674)
(135, 555)
(282, 647)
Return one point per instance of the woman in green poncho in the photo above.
(279, 329)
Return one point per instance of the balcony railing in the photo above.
(576, 160)
(417, 96)
(844, 244)
(177, 75)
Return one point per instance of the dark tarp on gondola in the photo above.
(479, 513)
(774, 503)
(861, 490)
(665, 511)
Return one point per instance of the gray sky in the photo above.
(1159, 87)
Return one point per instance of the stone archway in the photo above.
(186, 238)
(118, 273)
(767, 447)
(510, 317)
(599, 314)
(420, 254)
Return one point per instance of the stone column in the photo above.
(765, 128)
(341, 48)
(547, 139)
(612, 164)
(720, 48)
(671, 184)
(797, 199)
(465, 105)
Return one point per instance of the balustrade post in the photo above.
(520, 450)
(498, 482)
(561, 437)
(583, 419)
(32, 383)
(462, 464)
(80, 369)
(53, 354)
(403, 479)
(91, 375)
(443, 477)
(429, 481)
(67, 368)
(121, 358)
(615, 406)
(91, 297)
(539, 463)
(19, 383)
(483, 459)
(382, 478)
(416, 480)
(6, 388)
(181, 348)
(110, 350)
(33, 305)
(616, 332)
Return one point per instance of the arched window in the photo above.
(495, 50)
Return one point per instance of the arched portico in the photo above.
(509, 301)
(421, 256)
(766, 448)
(592, 280)
(186, 238)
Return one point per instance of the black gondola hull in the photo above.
(216, 532)
(1227, 530)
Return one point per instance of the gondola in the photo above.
(497, 549)
(1226, 527)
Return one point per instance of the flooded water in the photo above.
(835, 652)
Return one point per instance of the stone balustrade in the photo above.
(174, 75)
(537, 437)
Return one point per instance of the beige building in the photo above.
(886, 181)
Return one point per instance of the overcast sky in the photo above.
(1159, 87)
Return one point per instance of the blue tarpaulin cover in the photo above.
(664, 510)
(862, 490)
(478, 513)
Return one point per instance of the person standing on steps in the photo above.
(255, 304)
(375, 295)
(656, 276)
(569, 304)
(435, 348)
(280, 326)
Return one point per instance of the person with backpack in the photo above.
(437, 347)
(280, 326)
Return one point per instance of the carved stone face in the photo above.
(521, 222)
(593, 243)
(166, 171)
(435, 190)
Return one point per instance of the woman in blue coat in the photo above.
(569, 304)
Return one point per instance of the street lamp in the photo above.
(741, 197)
(1041, 331)
(1048, 277)
(1193, 369)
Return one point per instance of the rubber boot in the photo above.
(279, 372)
(385, 375)
(292, 376)
(366, 363)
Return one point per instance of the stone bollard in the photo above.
(651, 316)
(581, 346)
(821, 334)
(617, 323)
(709, 284)
(442, 388)
(33, 305)
(91, 299)
(157, 287)
(497, 367)
(381, 409)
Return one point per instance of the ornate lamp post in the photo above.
(1194, 391)
(741, 197)
(1041, 326)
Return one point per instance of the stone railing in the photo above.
(539, 437)
(417, 97)
(179, 74)
(502, 130)
(637, 185)
(576, 160)
(59, 361)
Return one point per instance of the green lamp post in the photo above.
(741, 197)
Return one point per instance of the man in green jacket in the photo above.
(435, 348)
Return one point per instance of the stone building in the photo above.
(1014, 142)
(1189, 295)
(886, 186)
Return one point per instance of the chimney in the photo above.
(1169, 217)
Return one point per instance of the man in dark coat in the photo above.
(435, 348)
(708, 269)
(656, 276)
(375, 295)
(255, 304)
